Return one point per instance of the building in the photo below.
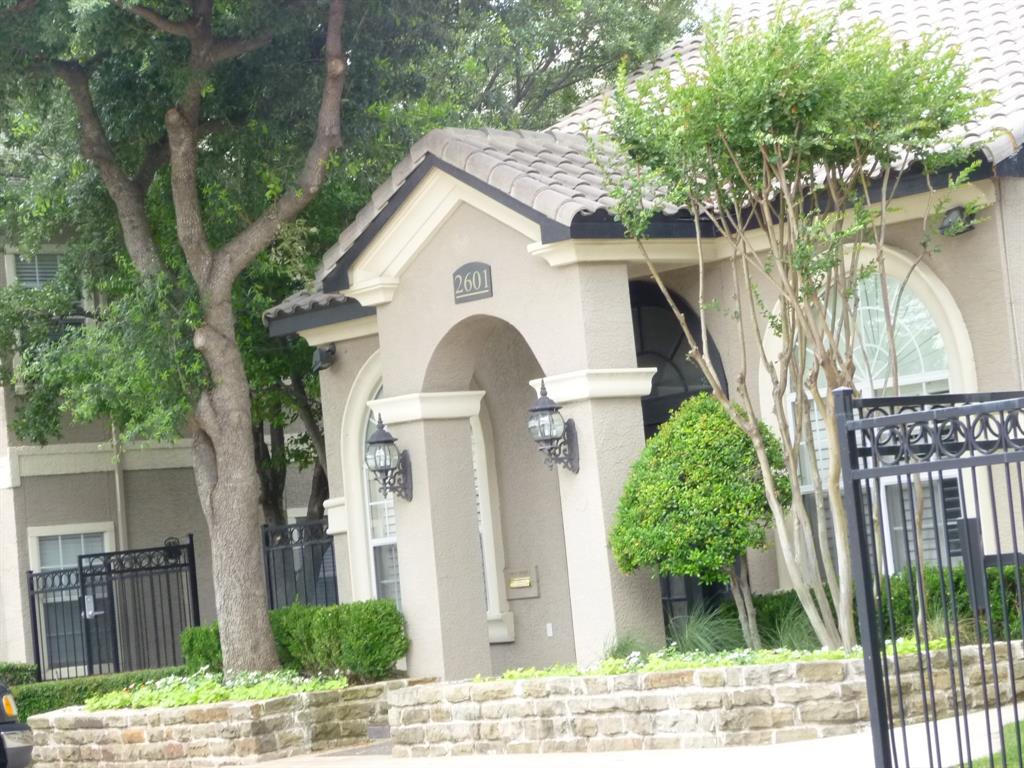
(72, 497)
(489, 261)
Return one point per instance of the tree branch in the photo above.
(187, 29)
(237, 254)
(229, 48)
(129, 199)
(182, 142)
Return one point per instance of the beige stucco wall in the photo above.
(1010, 221)
(531, 521)
(971, 266)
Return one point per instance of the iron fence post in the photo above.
(869, 637)
(34, 617)
(89, 666)
(193, 585)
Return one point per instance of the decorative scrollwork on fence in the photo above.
(167, 556)
(994, 429)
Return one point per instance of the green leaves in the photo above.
(694, 500)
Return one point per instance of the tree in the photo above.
(694, 503)
(791, 143)
(157, 141)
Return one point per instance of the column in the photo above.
(606, 603)
(439, 558)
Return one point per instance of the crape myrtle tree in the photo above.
(694, 503)
(791, 142)
(191, 158)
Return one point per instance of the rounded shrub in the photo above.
(695, 502)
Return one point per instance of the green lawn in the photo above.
(1012, 739)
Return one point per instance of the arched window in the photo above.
(382, 531)
(921, 360)
(661, 344)
(922, 368)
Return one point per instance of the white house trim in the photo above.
(376, 272)
(343, 331)
(336, 510)
(424, 406)
(594, 383)
(353, 505)
(81, 458)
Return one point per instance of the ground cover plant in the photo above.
(205, 687)
(37, 698)
(671, 659)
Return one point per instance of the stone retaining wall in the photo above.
(229, 733)
(690, 708)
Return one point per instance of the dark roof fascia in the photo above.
(1012, 165)
(286, 325)
(337, 278)
(602, 224)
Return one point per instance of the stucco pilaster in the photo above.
(439, 552)
(606, 603)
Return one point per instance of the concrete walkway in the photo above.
(853, 751)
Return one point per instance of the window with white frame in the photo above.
(922, 369)
(383, 530)
(55, 548)
(37, 270)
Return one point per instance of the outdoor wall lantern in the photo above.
(555, 437)
(956, 221)
(389, 466)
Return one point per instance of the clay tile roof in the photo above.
(303, 301)
(990, 34)
(551, 171)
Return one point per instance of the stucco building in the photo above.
(490, 260)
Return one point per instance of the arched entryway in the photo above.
(661, 344)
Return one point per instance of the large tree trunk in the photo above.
(273, 472)
(229, 491)
(318, 492)
(743, 596)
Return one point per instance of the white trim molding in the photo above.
(345, 330)
(336, 510)
(426, 406)
(375, 274)
(595, 383)
(83, 458)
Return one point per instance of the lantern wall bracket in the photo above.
(397, 481)
(565, 451)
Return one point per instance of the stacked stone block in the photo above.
(230, 733)
(711, 707)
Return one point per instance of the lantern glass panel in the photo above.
(546, 426)
(381, 457)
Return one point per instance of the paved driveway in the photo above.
(852, 751)
(838, 752)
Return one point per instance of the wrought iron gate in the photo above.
(934, 490)
(114, 612)
(299, 563)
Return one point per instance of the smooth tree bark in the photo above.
(223, 449)
(743, 596)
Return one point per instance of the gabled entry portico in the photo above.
(445, 363)
(457, 288)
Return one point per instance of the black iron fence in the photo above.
(300, 565)
(934, 489)
(114, 612)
